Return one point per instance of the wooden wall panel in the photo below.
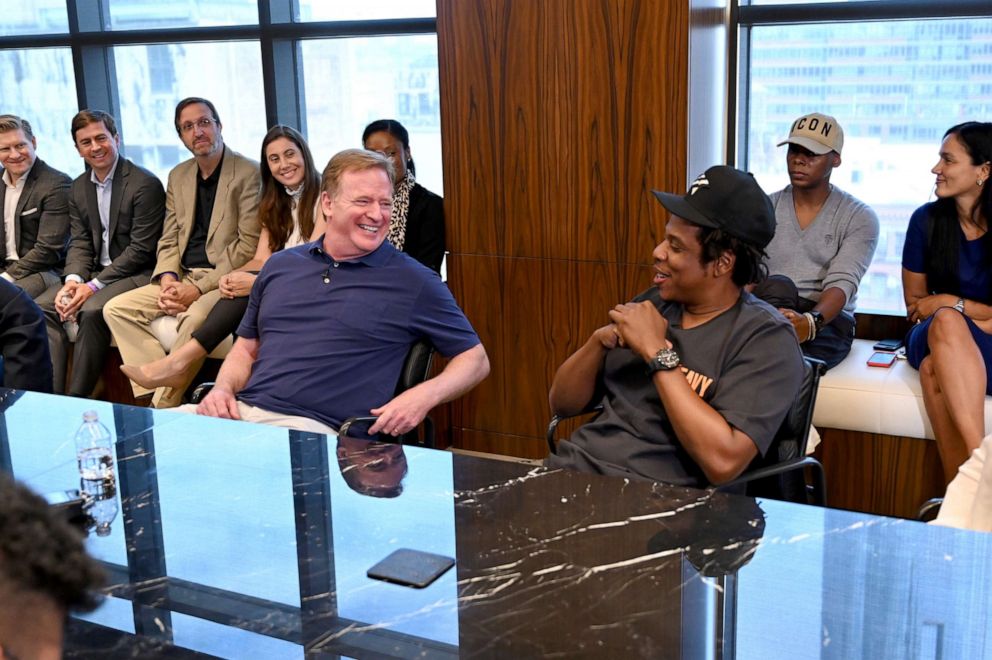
(879, 474)
(558, 118)
(532, 314)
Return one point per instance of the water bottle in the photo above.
(70, 324)
(102, 507)
(94, 449)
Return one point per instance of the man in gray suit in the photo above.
(116, 210)
(211, 228)
(35, 211)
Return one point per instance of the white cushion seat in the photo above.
(856, 397)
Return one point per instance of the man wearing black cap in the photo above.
(695, 375)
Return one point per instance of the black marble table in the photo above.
(237, 540)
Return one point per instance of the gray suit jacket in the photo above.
(234, 228)
(137, 211)
(41, 222)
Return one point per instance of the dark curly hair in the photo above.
(42, 553)
(750, 265)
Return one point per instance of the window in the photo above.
(28, 75)
(351, 82)
(36, 17)
(894, 86)
(151, 81)
(152, 14)
(321, 10)
(138, 58)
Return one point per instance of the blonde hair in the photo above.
(13, 123)
(353, 160)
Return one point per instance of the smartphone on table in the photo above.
(411, 568)
(880, 359)
(888, 345)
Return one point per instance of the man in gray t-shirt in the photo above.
(823, 244)
(695, 375)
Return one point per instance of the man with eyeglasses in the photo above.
(211, 228)
(35, 206)
(824, 242)
(116, 210)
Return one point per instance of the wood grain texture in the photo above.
(880, 474)
(558, 118)
(531, 315)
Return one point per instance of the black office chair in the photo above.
(781, 473)
(929, 509)
(416, 368)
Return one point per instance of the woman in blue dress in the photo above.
(947, 284)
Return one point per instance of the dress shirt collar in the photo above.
(20, 182)
(110, 176)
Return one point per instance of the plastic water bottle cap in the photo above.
(90, 416)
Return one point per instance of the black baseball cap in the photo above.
(726, 198)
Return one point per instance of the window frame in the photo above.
(278, 32)
(743, 16)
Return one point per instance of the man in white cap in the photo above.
(824, 242)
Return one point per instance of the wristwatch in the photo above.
(817, 319)
(664, 360)
(959, 305)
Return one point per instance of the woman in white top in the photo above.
(289, 213)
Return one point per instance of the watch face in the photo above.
(665, 359)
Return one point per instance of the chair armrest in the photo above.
(557, 419)
(817, 490)
(201, 391)
(930, 509)
(407, 438)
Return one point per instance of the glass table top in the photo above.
(236, 540)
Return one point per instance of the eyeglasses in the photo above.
(204, 123)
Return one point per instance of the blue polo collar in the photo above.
(378, 257)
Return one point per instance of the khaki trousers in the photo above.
(258, 415)
(129, 316)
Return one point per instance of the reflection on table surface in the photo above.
(240, 540)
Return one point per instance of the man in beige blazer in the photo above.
(211, 228)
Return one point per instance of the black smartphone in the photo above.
(888, 345)
(881, 359)
(411, 568)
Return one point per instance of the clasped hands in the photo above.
(175, 296)
(77, 293)
(236, 284)
(637, 326)
(923, 308)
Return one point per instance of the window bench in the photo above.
(876, 440)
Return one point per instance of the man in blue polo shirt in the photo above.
(329, 323)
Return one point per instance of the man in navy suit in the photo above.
(116, 211)
(26, 365)
(35, 211)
